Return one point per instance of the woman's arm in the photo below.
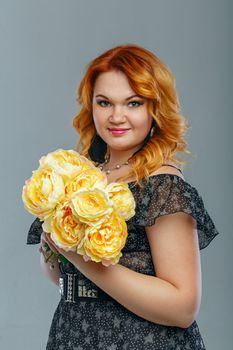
(52, 274)
(172, 297)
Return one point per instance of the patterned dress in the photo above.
(106, 324)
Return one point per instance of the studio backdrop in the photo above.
(45, 48)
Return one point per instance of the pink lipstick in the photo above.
(118, 131)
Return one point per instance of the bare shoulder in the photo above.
(170, 168)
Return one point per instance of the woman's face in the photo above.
(120, 116)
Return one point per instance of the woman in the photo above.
(130, 125)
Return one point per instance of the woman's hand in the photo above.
(49, 250)
(46, 240)
(55, 249)
(49, 259)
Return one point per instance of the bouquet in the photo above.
(79, 209)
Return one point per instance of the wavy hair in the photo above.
(151, 79)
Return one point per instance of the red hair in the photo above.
(151, 79)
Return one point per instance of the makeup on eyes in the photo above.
(107, 102)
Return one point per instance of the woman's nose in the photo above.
(118, 114)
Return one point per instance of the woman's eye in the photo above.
(103, 103)
(135, 103)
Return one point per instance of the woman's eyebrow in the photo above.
(128, 98)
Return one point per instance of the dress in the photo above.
(106, 324)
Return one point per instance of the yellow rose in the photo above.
(88, 179)
(103, 243)
(66, 230)
(42, 192)
(91, 206)
(122, 198)
(67, 163)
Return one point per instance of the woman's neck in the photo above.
(119, 157)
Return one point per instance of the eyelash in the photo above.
(104, 101)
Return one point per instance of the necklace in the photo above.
(118, 166)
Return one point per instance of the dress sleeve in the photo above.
(169, 194)
(35, 232)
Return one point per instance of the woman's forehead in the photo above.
(113, 84)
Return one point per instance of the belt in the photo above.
(73, 289)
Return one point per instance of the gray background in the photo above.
(45, 47)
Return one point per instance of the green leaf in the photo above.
(63, 260)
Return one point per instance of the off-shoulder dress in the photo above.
(106, 324)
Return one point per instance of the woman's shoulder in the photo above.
(169, 169)
(167, 192)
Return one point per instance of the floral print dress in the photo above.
(106, 324)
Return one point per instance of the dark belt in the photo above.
(73, 289)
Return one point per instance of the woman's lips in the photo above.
(118, 131)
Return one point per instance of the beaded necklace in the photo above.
(108, 171)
